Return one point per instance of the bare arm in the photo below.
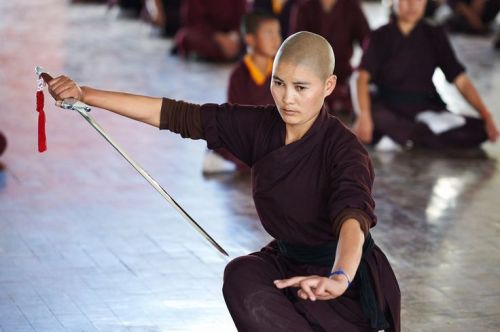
(472, 13)
(349, 249)
(140, 108)
(363, 127)
(469, 92)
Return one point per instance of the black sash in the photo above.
(324, 255)
(401, 98)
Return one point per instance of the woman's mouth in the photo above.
(288, 112)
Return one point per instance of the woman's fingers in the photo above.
(321, 289)
(290, 282)
(58, 85)
(69, 92)
(63, 87)
(306, 286)
(302, 294)
(57, 82)
(313, 287)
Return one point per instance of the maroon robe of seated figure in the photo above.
(401, 68)
(303, 192)
(342, 26)
(201, 19)
(247, 86)
(282, 12)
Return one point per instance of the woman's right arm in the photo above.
(136, 107)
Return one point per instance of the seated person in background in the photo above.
(473, 16)
(250, 80)
(129, 8)
(280, 8)
(400, 59)
(209, 29)
(166, 15)
(342, 23)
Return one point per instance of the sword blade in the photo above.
(152, 182)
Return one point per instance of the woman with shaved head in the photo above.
(312, 183)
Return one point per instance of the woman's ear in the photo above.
(330, 84)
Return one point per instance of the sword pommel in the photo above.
(42, 73)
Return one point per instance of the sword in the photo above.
(83, 110)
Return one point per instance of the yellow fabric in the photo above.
(257, 76)
(277, 6)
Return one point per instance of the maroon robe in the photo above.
(284, 15)
(201, 19)
(401, 68)
(344, 25)
(303, 192)
(243, 89)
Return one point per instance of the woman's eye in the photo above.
(300, 88)
(278, 83)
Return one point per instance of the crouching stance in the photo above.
(312, 183)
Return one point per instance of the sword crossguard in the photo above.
(74, 105)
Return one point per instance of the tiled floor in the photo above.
(87, 245)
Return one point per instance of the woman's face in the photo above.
(410, 11)
(299, 93)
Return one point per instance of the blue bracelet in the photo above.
(341, 272)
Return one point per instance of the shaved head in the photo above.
(310, 50)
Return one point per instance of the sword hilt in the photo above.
(43, 74)
(46, 77)
(69, 103)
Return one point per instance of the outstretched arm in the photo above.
(140, 108)
(469, 92)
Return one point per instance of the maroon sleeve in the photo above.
(298, 19)
(351, 180)
(234, 91)
(371, 59)
(361, 28)
(192, 14)
(181, 118)
(241, 10)
(447, 59)
(234, 127)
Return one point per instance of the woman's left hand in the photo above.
(315, 287)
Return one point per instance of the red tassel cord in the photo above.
(42, 139)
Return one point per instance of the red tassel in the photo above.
(42, 140)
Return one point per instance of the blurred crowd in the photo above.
(389, 101)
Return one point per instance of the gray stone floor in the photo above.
(87, 245)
